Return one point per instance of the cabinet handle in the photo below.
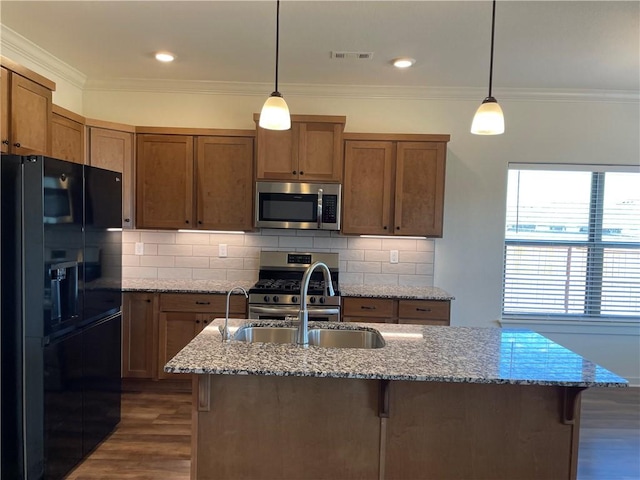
(367, 307)
(148, 300)
(301, 172)
(202, 303)
(127, 220)
(5, 142)
(418, 309)
(294, 172)
(199, 222)
(385, 227)
(17, 144)
(397, 228)
(197, 321)
(186, 221)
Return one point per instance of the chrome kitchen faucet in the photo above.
(225, 332)
(303, 315)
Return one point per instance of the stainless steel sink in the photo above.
(330, 338)
(266, 334)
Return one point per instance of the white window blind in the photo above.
(572, 243)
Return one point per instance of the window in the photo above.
(572, 243)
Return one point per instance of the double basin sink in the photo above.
(319, 337)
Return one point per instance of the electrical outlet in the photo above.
(139, 248)
(222, 250)
(393, 256)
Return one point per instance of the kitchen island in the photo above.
(434, 402)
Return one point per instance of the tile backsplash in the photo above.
(195, 255)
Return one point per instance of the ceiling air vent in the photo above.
(352, 55)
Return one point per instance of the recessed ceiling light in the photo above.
(165, 57)
(403, 62)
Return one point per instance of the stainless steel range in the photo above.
(276, 294)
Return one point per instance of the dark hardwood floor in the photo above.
(153, 440)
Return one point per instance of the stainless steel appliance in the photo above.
(276, 294)
(309, 206)
(61, 313)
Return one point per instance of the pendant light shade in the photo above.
(489, 119)
(275, 112)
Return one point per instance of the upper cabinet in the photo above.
(195, 182)
(394, 184)
(310, 151)
(67, 135)
(26, 110)
(111, 146)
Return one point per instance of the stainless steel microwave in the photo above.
(309, 206)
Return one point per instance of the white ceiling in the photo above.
(586, 45)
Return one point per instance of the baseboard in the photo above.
(149, 385)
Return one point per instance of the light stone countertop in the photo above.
(412, 352)
(223, 286)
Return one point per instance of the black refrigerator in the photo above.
(61, 300)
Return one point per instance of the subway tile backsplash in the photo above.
(194, 255)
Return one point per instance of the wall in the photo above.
(195, 255)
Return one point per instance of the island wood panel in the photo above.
(419, 197)
(139, 339)
(286, 428)
(30, 126)
(4, 110)
(164, 181)
(320, 151)
(367, 194)
(67, 139)
(479, 431)
(113, 150)
(224, 183)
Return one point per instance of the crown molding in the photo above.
(15, 46)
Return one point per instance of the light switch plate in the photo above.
(222, 250)
(139, 248)
(393, 256)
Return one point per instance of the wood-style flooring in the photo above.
(153, 440)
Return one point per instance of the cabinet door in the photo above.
(67, 139)
(4, 110)
(224, 183)
(367, 187)
(176, 329)
(164, 181)
(320, 152)
(138, 339)
(113, 150)
(419, 197)
(277, 159)
(30, 117)
(365, 309)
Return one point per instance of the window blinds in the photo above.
(572, 243)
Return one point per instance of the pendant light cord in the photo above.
(278, 39)
(493, 27)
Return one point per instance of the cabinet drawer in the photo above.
(367, 307)
(424, 309)
(201, 303)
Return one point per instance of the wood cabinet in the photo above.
(390, 310)
(4, 110)
(211, 190)
(310, 151)
(394, 184)
(184, 315)
(26, 110)
(111, 147)
(67, 135)
(139, 335)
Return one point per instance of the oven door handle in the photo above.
(313, 311)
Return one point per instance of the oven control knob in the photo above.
(321, 300)
(276, 299)
(312, 300)
(266, 298)
(294, 299)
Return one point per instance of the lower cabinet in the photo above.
(139, 334)
(391, 310)
(183, 315)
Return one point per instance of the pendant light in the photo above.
(275, 112)
(489, 119)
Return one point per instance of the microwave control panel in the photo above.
(329, 208)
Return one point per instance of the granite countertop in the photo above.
(394, 291)
(223, 286)
(182, 286)
(412, 352)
